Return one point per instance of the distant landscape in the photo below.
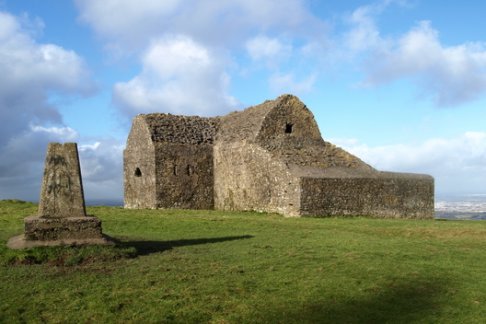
(461, 207)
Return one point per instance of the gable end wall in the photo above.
(139, 168)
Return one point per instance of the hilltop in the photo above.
(231, 267)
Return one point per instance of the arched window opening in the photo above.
(138, 173)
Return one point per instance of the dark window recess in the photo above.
(174, 171)
(190, 170)
(288, 128)
(138, 173)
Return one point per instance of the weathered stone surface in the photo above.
(387, 196)
(62, 215)
(62, 188)
(139, 167)
(270, 157)
(45, 229)
(168, 162)
(184, 176)
(247, 177)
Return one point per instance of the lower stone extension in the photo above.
(60, 231)
(388, 195)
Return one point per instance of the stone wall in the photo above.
(388, 196)
(193, 130)
(248, 178)
(139, 167)
(168, 162)
(184, 176)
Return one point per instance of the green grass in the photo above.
(219, 267)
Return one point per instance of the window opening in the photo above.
(138, 173)
(190, 170)
(288, 128)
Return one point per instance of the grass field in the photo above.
(219, 267)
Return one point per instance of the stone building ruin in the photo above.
(270, 157)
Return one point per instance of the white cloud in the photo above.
(22, 164)
(458, 164)
(172, 56)
(29, 147)
(64, 133)
(135, 24)
(215, 34)
(30, 73)
(102, 170)
(43, 67)
(116, 17)
(22, 160)
(364, 34)
(288, 83)
(268, 49)
(450, 75)
(179, 76)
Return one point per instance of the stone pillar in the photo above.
(62, 215)
(62, 188)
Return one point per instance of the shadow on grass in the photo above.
(402, 301)
(149, 247)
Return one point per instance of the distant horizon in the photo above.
(480, 197)
(451, 208)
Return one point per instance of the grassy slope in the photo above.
(208, 266)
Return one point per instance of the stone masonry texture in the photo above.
(62, 215)
(270, 157)
(62, 188)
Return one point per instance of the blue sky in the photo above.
(401, 84)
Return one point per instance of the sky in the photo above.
(399, 83)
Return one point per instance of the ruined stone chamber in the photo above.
(168, 162)
(61, 218)
(269, 157)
